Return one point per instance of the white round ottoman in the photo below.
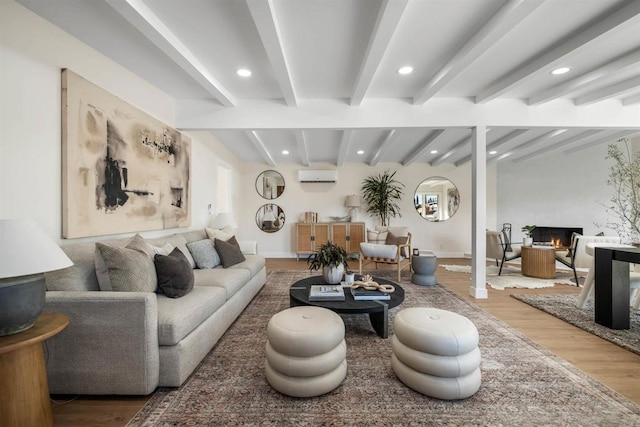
(305, 351)
(435, 352)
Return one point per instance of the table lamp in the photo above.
(352, 202)
(25, 253)
(222, 220)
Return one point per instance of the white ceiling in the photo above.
(330, 67)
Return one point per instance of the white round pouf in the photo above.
(435, 331)
(305, 351)
(435, 352)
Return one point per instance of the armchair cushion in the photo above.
(378, 237)
(374, 250)
(392, 239)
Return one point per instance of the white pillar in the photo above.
(479, 212)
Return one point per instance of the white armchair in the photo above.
(577, 258)
(500, 249)
(398, 254)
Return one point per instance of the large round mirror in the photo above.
(436, 199)
(270, 184)
(270, 218)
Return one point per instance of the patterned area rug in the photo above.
(564, 307)
(522, 383)
(511, 277)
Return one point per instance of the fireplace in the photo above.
(555, 234)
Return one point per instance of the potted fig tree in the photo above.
(333, 260)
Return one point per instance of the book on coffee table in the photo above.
(360, 294)
(326, 293)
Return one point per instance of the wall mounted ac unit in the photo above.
(316, 175)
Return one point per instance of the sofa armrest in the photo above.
(110, 345)
(248, 247)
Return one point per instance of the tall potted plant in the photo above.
(333, 260)
(624, 177)
(381, 193)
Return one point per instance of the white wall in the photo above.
(556, 190)
(32, 54)
(449, 238)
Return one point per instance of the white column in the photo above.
(479, 212)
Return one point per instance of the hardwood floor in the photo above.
(615, 367)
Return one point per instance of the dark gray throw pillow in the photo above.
(229, 251)
(175, 275)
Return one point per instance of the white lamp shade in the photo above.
(224, 219)
(269, 216)
(352, 201)
(26, 249)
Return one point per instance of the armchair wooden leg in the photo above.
(399, 270)
(360, 264)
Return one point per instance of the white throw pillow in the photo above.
(165, 249)
(223, 234)
(379, 237)
(378, 251)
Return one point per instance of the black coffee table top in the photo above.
(299, 292)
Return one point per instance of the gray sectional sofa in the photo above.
(129, 343)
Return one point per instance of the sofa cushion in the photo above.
(178, 241)
(229, 279)
(204, 253)
(375, 250)
(175, 275)
(128, 269)
(81, 276)
(229, 251)
(194, 235)
(177, 317)
(253, 263)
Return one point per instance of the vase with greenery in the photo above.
(624, 178)
(333, 260)
(381, 193)
(527, 230)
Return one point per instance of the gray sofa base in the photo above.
(178, 361)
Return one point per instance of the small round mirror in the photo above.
(270, 184)
(436, 199)
(270, 218)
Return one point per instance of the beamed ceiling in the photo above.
(324, 82)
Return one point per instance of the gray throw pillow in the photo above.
(229, 251)
(204, 253)
(175, 275)
(392, 239)
(128, 269)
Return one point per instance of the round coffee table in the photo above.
(378, 311)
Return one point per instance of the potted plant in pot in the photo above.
(381, 193)
(528, 240)
(333, 260)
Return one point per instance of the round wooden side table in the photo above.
(539, 261)
(24, 395)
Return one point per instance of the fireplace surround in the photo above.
(548, 234)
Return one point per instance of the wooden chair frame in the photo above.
(400, 262)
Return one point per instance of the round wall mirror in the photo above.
(270, 218)
(270, 184)
(436, 199)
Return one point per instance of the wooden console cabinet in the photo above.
(309, 236)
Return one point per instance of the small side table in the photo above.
(24, 395)
(424, 268)
(539, 261)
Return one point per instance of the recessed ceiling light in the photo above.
(405, 70)
(243, 72)
(285, 152)
(493, 152)
(434, 151)
(360, 152)
(560, 70)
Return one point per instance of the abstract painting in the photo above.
(122, 170)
